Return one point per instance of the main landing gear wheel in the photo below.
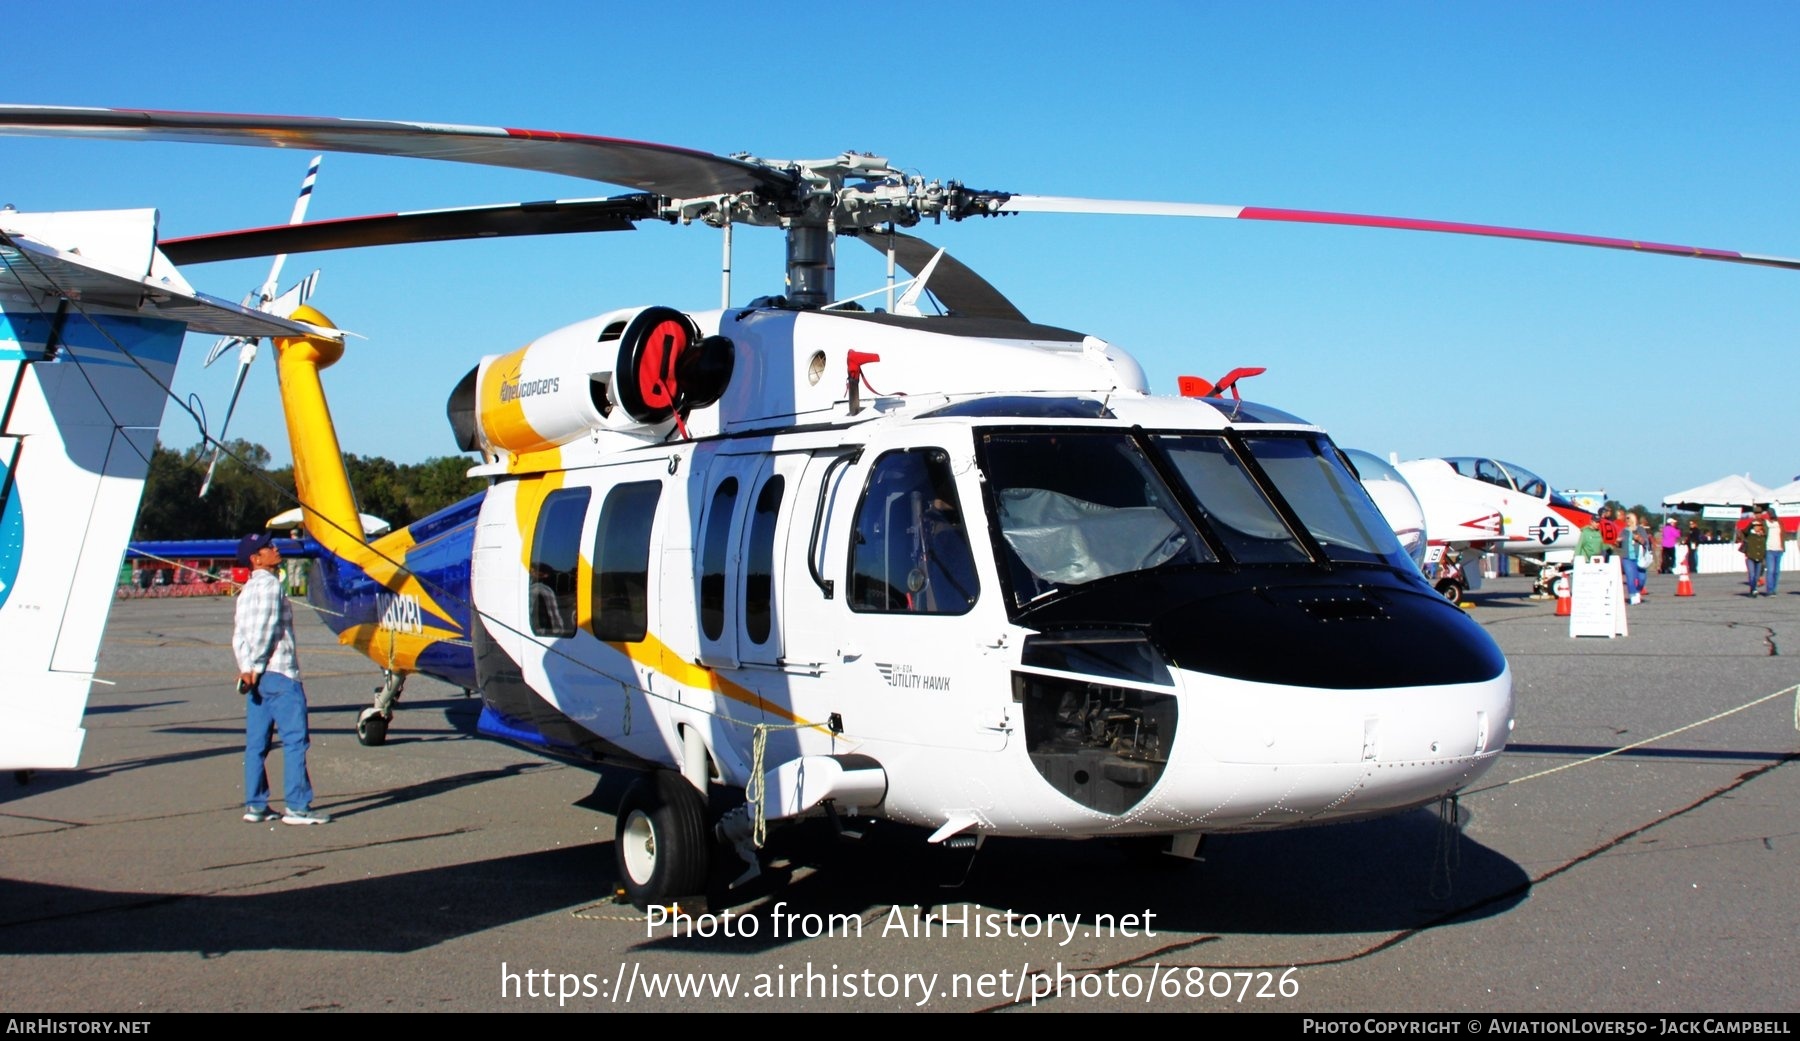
(1451, 589)
(663, 845)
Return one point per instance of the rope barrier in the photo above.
(1651, 740)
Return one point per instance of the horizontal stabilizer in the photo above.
(100, 280)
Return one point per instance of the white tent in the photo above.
(372, 526)
(1730, 490)
(1788, 493)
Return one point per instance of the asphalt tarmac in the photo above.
(460, 874)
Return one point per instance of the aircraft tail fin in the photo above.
(91, 324)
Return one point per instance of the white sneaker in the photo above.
(305, 817)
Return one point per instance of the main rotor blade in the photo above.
(954, 284)
(560, 217)
(663, 169)
(1065, 204)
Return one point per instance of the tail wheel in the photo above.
(372, 727)
(662, 845)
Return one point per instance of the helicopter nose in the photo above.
(1284, 755)
(1326, 703)
(1333, 637)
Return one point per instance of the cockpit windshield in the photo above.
(1076, 506)
(1526, 481)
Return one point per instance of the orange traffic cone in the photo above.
(1684, 586)
(1564, 608)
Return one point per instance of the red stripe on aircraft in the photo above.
(1495, 231)
(558, 135)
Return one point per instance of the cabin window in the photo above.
(759, 574)
(713, 552)
(622, 562)
(911, 552)
(555, 558)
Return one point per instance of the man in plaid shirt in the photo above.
(269, 676)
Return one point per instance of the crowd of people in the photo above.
(1642, 547)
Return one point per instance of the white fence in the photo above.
(1722, 557)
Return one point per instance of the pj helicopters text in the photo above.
(1009, 593)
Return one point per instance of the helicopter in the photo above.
(1011, 593)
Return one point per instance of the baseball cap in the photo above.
(251, 544)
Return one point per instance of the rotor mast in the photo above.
(850, 194)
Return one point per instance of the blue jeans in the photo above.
(278, 704)
(1772, 569)
(1756, 568)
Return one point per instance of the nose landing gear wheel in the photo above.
(662, 845)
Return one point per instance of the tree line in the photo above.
(246, 491)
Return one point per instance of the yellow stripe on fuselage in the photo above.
(393, 649)
(528, 501)
(503, 416)
(657, 656)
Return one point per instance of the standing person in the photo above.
(297, 569)
(1631, 558)
(269, 677)
(1609, 532)
(1692, 541)
(1753, 543)
(1588, 545)
(1671, 537)
(1772, 554)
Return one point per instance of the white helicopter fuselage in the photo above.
(1013, 593)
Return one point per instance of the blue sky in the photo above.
(1639, 374)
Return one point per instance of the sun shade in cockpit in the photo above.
(1066, 540)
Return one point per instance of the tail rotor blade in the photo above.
(271, 283)
(297, 294)
(220, 346)
(245, 358)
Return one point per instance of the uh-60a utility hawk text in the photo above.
(1008, 593)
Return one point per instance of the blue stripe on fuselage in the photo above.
(347, 597)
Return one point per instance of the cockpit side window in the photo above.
(1328, 499)
(911, 548)
(1234, 506)
(555, 559)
